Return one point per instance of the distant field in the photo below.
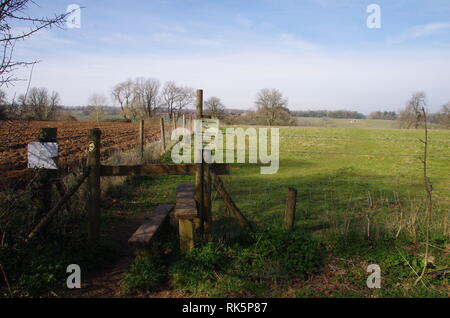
(346, 123)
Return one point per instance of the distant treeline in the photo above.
(328, 113)
(386, 115)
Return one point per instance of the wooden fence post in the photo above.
(94, 193)
(184, 121)
(199, 179)
(141, 138)
(186, 232)
(42, 193)
(289, 213)
(163, 135)
(207, 195)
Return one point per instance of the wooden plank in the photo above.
(158, 170)
(185, 187)
(145, 234)
(153, 169)
(186, 208)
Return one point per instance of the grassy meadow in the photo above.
(360, 195)
(360, 202)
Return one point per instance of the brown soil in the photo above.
(72, 139)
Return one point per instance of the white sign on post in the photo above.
(41, 155)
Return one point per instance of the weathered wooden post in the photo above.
(207, 195)
(93, 204)
(289, 213)
(199, 178)
(163, 135)
(141, 138)
(184, 121)
(42, 193)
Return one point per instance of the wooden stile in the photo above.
(147, 232)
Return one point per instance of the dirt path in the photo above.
(105, 283)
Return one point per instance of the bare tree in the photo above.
(444, 115)
(13, 12)
(38, 104)
(215, 107)
(96, 104)
(146, 95)
(123, 95)
(272, 107)
(411, 115)
(176, 98)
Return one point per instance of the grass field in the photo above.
(360, 202)
(346, 123)
(349, 123)
(360, 193)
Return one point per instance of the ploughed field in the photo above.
(72, 140)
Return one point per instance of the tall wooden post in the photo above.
(289, 213)
(93, 203)
(184, 121)
(207, 195)
(141, 138)
(163, 135)
(199, 171)
(42, 192)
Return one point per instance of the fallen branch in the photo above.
(45, 220)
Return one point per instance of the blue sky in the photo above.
(319, 53)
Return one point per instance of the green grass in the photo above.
(346, 123)
(355, 187)
(349, 123)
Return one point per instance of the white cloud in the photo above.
(427, 29)
(421, 31)
(294, 42)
